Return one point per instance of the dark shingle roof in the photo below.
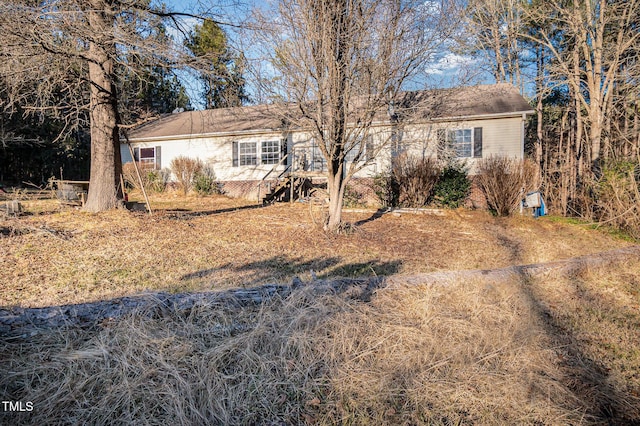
(440, 104)
(472, 101)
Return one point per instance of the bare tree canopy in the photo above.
(343, 61)
(598, 38)
(63, 58)
(581, 60)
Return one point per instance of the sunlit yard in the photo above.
(561, 349)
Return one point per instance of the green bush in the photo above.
(156, 180)
(386, 189)
(205, 183)
(453, 187)
(153, 180)
(353, 198)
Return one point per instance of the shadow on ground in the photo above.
(587, 379)
(377, 215)
(185, 214)
(275, 267)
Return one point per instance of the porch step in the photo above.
(283, 188)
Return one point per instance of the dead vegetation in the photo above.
(557, 349)
(504, 181)
(54, 257)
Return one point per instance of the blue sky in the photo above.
(449, 68)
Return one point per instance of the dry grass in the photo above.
(469, 353)
(558, 351)
(53, 257)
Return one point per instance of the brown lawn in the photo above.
(56, 256)
(557, 350)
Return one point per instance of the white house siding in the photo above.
(503, 137)
(215, 151)
(500, 137)
(303, 141)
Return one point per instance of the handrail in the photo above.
(275, 166)
(284, 171)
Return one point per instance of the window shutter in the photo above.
(234, 148)
(136, 154)
(283, 148)
(158, 162)
(442, 138)
(477, 142)
(368, 149)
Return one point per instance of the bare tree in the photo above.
(493, 30)
(596, 37)
(342, 63)
(69, 51)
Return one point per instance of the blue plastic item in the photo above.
(535, 202)
(540, 211)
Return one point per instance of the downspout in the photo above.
(522, 130)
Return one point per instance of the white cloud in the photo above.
(449, 63)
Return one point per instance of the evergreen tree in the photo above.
(221, 72)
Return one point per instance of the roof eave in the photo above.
(511, 114)
(375, 123)
(208, 135)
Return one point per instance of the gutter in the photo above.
(373, 124)
(208, 135)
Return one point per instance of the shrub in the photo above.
(415, 178)
(205, 183)
(153, 180)
(185, 170)
(386, 189)
(503, 181)
(617, 196)
(353, 198)
(453, 187)
(158, 179)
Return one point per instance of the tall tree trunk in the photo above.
(336, 187)
(636, 132)
(626, 138)
(608, 146)
(596, 124)
(562, 160)
(539, 111)
(500, 74)
(579, 123)
(106, 164)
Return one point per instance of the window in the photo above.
(254, 153)
(461, 141)
(318, 162)
(149, 158)
(270, 152)
(351, 155)
(365, 155)
(248, 153)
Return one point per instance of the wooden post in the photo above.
(122, 186)
(135, 166)
(292, 182)
(259, 188)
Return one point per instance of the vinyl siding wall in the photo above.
(500, 137)
(214, 151)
